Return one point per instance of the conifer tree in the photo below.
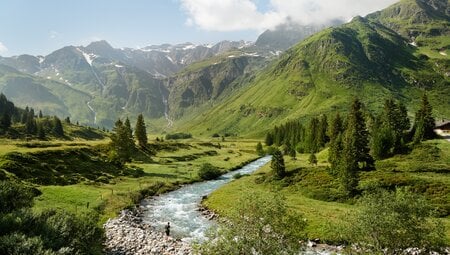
(141, 132)
(57, 127)
(67, 120)
(127, 126)
(40, 130)
(259, 149)
(40, 115)
(24, 116)
(322, 136)
(269, 139)
(424, 122)
(312, 144)
(121, 143)
(277, 164)
(5, 121)
(355, 154)
(335, 150)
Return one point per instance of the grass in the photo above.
(312, 193)
(161, 173)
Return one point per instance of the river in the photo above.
(180, 207)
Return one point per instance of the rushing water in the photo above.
(180, 207)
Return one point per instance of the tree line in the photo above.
(122, 144)
(34, 124)
(354, 142)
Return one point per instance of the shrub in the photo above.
(209, 172)
(14, 196)
(391, 222)
(177, 136)
(261, 224)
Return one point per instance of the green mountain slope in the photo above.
(320, 75)
(52, 97)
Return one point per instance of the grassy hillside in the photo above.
(313, 192)
(362, 58)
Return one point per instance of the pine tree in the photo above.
(269, 139)
(127, 126)
(67, 120)
(30, 124)
(57, 127)
(5, 121)
(24, 116)
(277, 164)
(140, 132)
(40, 130)
(355, 154)
(121, 143)
(322, 136)
(40, 115)
(335, 150)
(424, 123)
(259, 149)
(312, 144)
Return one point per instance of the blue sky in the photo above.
(40, 27)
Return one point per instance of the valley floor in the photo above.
(309, 189)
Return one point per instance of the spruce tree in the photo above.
(355, 154)
(259, 149)
(322, 136)
(269, 139)
(424, 122)
(67, 120)
(5, 121)
(277, 164)
(40, 115)
(24, 116)
(312, 143)
(127, 126)
(40, 130)
(121, 143)
(140, 132)
(335, 150)
(57, 127)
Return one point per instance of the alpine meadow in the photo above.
(277, 127)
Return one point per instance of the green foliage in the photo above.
(390, 222)
(177, 136)
(355, 152)
(141, 132)
(14, 196)
(424, 121)
(312, 159)
(335, 133)
(122, 143)
(209, 172)
(277, 164)
(57, 127)
(49, 232)
(259, 149)
(259, 225)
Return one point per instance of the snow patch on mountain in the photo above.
(89, 57)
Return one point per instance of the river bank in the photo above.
(127, 234)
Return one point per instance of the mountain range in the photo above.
(242, 87)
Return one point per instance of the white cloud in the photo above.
(234, 15)
(3, 48)
(53, 34)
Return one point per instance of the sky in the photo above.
(38, 27)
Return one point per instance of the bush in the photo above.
(177, 136)
(209, 172)
(14, 196)
(261, 224)
(391, 222)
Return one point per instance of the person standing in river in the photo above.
(168, 229)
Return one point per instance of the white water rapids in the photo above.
(180, 207)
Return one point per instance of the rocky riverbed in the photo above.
(127, 234)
